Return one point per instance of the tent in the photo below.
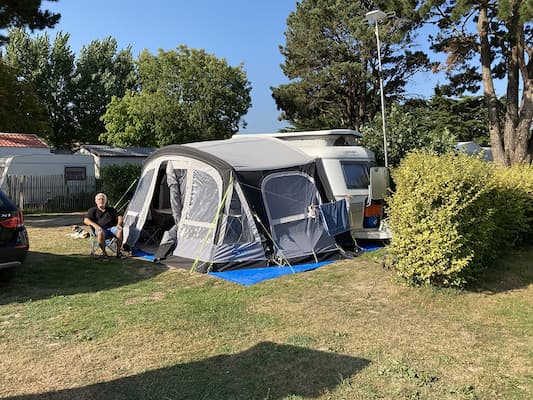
(229, 204)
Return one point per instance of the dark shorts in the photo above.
(111, 232)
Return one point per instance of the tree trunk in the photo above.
(513, 143)
(518, 119)
(495, 130)
(526, 107)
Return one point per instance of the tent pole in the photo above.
(272, 239)
(125, 193)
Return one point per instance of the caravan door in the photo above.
(291, 201)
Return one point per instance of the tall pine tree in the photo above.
(331, 61)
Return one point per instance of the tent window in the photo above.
(195, 233)
(204, 199)
(141, 193)
(237, 225)
(289, 195)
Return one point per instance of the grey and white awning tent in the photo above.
(229, 204)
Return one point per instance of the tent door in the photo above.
(291, 201)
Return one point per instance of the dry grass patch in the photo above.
(72, 327)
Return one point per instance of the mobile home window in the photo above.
(75, 174)
(356, 175)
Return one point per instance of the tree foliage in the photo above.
(25, 13)
(183, 95)
(465, 117)
(433, 125)
(20, 110)
(102, 71)
(407, 130)
(48, 68)
(73, 93)
(500, 33)
(331, 60)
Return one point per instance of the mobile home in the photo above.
(66, 173)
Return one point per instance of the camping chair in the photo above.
(110, 243)
(158, 222)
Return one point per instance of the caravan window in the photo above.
(75, 174)
(356, 175)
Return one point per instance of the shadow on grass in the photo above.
(45, 275)
(512, 272)
(265, 371)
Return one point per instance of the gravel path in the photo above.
(50, 221)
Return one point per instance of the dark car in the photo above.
(14, 242)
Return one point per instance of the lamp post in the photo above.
(374, 17)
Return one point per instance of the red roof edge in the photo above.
(22, 140)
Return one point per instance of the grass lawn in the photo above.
(76, 328)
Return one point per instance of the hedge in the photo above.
(452, 215)
(116, 179)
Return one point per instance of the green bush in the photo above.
(442, 218)
(515, 204)
(116, 179)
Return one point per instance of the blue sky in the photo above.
(241, 31)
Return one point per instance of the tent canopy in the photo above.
(254, 153)
(232, 203)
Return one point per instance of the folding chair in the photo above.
(110, 243)
(157, 223)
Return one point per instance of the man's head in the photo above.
(100, 199)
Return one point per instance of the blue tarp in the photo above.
(252, 276)
(370, 245)
(143, 254)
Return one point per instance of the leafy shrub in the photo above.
(442, 218)
(515, 204)
(116, 181)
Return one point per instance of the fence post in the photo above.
(21, 193)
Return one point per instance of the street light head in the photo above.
(375, 16)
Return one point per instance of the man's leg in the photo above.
(101, 240)
(117, 233)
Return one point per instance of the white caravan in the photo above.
(352, 174)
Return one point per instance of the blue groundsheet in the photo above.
(370, 245)
(143, 254)
(251, 276)
(247, 277)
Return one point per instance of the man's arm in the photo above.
(88, 220)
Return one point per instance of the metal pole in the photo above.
(382, 97)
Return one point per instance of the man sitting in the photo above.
(106, 222)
